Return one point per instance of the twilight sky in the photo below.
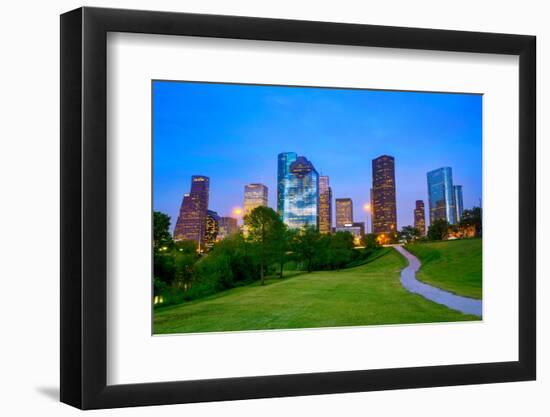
(233, 134)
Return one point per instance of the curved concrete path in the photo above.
(456, 302)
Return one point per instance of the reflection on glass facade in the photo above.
(284, 160)
(192, 216)
(300, 202)
(458, 201)
(441, 195)
(325, 205)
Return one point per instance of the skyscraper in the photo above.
(325, 205)
(211, 229)
(193, 210)
(227, 227)
(384, 208)
(458, 200)
(344, 212)
(255, 195)
(441, 195)
(284, 160)
(300, 195)
(420, 217)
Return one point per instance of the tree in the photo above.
(438, 229)
(370, 241)
(409, 233)
(161, 231)
(163, 266)
(163, 261)
(282, 239)
(244, 265)
(340, 249)
(188, 247)
(264, 227)
(305, 245)
(184, 264)
(473, 218)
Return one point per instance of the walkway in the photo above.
(408, 279)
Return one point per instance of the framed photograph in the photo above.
(258, 208)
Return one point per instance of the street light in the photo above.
(238, 213)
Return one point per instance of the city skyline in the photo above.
(341, 148)
(304, 199)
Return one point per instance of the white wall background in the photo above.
(29, 219)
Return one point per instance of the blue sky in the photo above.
(233, 134)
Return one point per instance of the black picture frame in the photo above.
(84, 207)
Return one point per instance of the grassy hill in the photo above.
(365, 295)
(453, 265)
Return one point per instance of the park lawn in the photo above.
(365, 295)
(454, 265)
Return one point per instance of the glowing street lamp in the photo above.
(237, 212)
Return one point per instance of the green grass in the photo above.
(366, 295)
(453, 265)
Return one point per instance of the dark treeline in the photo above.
(267, 248)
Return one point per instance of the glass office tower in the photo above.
(284, 160)
(458, 201)
(441, 195)
(300, 195)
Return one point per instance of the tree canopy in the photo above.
(409, 233)
(161, 230)
(438, 229)
(266, 230)
(473, 218)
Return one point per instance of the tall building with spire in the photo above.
(325, 205)
(420, 217)
(191, 223)
(344, 212)
(383, 197)
(441, 195)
